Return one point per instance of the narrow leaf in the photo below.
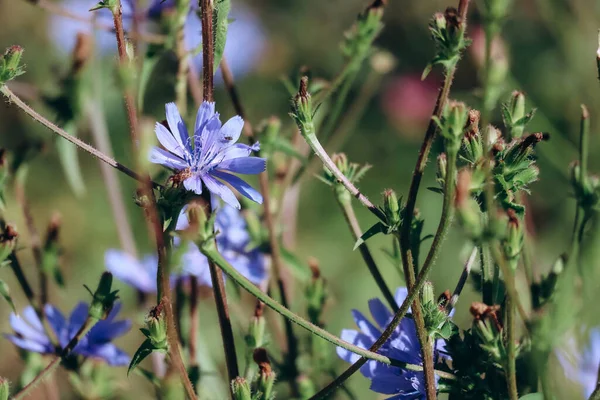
(69, 159)
(5, 292)
(144, 351)
(379, 227)
(221, 23)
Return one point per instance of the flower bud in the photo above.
(4, 388)
(316, 293)
(201, 228)
(256, 331)
(10, 64)
(487, 326)
(391, 208)
(156, 327)
(302, 110)
(103, 298)
(266, 376)
(523, 149)
(427, 294)
(442, 166)
(517, 109)
(514, 239)
(8, 242)
(473, 143)
(241, 389)
(452, 125)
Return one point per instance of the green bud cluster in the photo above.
(514, 115)
(316, 295)
(353, 171)
(448, 32)
(437, 322)
(358, 41)
(156, 336)
(452, 125)
(241, 389)
(10, 64)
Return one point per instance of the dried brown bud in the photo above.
(259, 309)
(82, 52)
(313, 264)
(261, 358)
(53, 228)
(482, 312)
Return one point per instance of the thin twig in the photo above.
(77, 142)
(350, 218)
(154, 220)
(34, 237)
(511, 367)
(208, 57)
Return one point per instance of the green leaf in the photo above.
(298, 268)
(379, 227)
(144, 351)
(526, 119)
(69, 159)
(148, 66)
(221, 23)
(5, 292)
(284, 146)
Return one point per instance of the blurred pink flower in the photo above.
(408, 102)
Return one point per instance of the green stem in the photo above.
(308, 132)
(511, 368)
(214, 256)
(274, 245)
(348, 211)
(13, 98)
(463, 278)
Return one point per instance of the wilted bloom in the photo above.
(403, 345)
(232, 240)
(30, 334)
(582, 365)
(210, 156)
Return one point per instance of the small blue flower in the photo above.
(403, 345)
(232, 241)
(30, 334)
(214, 157)
(582, 365)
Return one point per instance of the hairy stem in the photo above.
(323, 334)
(208, 60)
(511, 367)
(350, 216)
(77, 142)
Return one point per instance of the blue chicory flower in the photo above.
(403, 345)
(30, 334)
(214, 156)
(582, 365)
(232, 240)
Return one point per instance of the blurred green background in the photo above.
(551, 47)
